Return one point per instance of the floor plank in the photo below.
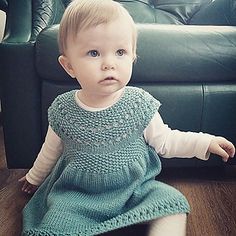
(11, 202)
(212, 200)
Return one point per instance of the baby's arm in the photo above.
(47, 158)
(174, 143)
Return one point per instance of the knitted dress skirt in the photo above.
(105, 177)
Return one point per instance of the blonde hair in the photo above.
(82, 14)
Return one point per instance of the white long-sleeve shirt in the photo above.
(167, 143)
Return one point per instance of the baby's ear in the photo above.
(65, 63)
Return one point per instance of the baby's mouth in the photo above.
(109, 78)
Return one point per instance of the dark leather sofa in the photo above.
(186, 58)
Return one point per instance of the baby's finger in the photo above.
(221, 152)
(27, 189)
(22, 179)
(30, 188)
(229, 148)
(231, 151)
(24, 187)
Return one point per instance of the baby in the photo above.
(96, 169)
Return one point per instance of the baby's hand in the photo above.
(27, 187)
(222, 147)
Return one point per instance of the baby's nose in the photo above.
(108, 65)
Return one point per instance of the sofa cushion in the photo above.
(166, 53)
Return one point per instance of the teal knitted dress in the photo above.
(105, 177)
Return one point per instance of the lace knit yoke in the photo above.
(100, 136)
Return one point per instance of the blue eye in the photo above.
(93, 53)
(120, 52)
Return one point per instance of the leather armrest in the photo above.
(18, 22)
(26, 19)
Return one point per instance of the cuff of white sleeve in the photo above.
(203, 153)
(32, 180)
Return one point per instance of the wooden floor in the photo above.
(211, 194)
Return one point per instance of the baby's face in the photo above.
(101, 57)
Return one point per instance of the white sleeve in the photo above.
(174, 143)
(46, 159)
